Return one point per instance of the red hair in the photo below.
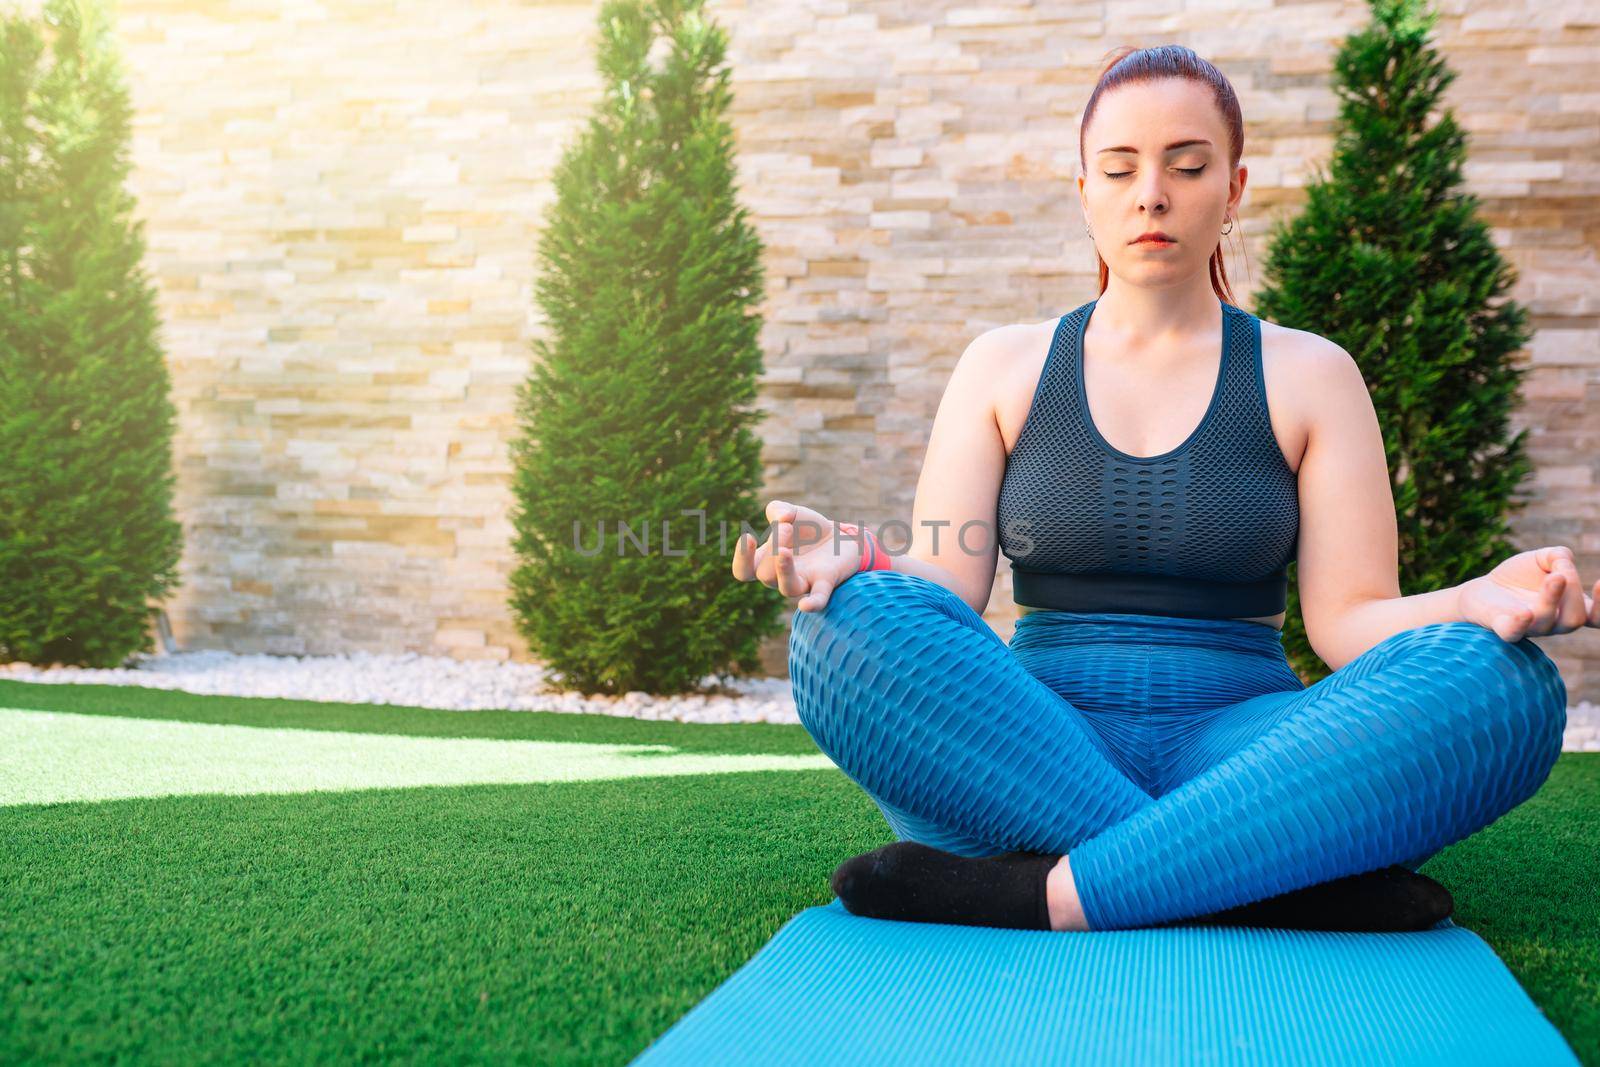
(1128, 65)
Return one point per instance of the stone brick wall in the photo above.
(342, 204)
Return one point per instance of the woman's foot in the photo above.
(1391, 900)
(913, 882)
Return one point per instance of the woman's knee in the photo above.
(1513, 705)
(874, 602)
(850, 597)
(883, 640)
(834, 650)
(1516, 679)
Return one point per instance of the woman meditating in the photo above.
(1141, 752)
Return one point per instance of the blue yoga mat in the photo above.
(831, 987)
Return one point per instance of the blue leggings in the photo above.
(1181, 762)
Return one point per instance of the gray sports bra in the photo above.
(1205, 530)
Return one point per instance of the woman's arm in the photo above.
(1347, 562)
(1348, 558)
(960, 481)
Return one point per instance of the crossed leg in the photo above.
(1421, 741)
(921, 704)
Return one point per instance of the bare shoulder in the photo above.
(1310, 351)
(1308, 379)
(988, 371)
(1309, 364)
(1017, 355)
(1000, 346)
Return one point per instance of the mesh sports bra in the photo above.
(1205, 530)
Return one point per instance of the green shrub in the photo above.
(87, 535)
(1389, 260)
(636, 410)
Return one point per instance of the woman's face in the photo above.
(1134, 182)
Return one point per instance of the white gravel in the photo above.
(411, 680)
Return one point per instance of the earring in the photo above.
(1229, 229)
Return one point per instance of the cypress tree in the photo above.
(1389, 260)
(86, 528)
(635, 464)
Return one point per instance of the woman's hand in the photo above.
(809, 570)
(1535, 592)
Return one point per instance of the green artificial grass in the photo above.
(550, 923)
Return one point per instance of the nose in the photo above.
(1153, 194)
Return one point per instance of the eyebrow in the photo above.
(1169, 148)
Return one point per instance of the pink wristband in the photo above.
(873, 558)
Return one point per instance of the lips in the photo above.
(1153, 237)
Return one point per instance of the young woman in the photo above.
(1141, 752)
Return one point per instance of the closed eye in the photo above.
(1191, 171)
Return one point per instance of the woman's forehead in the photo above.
(1154, 115)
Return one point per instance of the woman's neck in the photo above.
(1154, 318)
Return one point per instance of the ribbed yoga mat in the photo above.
(831, 987)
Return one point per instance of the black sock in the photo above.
(913, 882)
(1391, 900)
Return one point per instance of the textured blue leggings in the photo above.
(1181, 762)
